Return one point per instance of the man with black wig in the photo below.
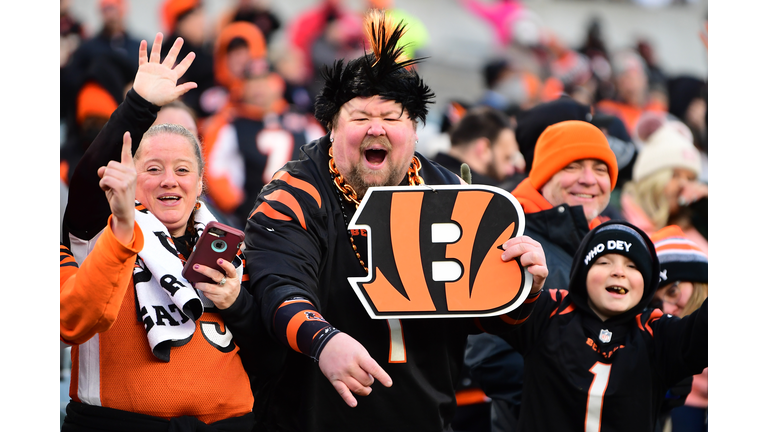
(300, 254)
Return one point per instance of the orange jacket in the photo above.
(115, 367)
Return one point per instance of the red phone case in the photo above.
(216, 241)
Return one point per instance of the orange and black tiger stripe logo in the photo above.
(436, 252)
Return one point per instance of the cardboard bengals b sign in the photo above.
(434, 252)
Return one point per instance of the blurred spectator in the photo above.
(632, 94)
(594, 45)
(688, 102)
(251, 140)
(256, 12)
(571, 74)
(287, 61)
(485, 141)
(622, 146)
(236, 46)
(657, 79)
(595, 49)
(112, 40)
(500, 14)
(532, 122)
(665, 189)
(104, 85)
(71, 36)
(682, 289)
(177, 112)
(507, 85)
(187, 19)
(334, 25)
(113, 37)
(437, 139)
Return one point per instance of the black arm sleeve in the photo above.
(87, 206)
(681, 344)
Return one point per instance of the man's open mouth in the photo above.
(375, 156)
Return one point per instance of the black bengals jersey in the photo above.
(582, 374)
(297, 244)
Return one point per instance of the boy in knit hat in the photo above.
(572, 175)
(596, 355)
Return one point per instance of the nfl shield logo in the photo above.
(605, 336)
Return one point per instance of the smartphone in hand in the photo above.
(216, 241)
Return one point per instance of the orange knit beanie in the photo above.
(566, 142)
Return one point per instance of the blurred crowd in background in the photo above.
(246, 75)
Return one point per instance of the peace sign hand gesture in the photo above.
(156, 81)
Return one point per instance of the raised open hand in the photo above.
(118, 181)
(155, 80)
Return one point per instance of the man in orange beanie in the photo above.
(569, 185)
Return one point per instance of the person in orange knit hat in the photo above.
(569, 185)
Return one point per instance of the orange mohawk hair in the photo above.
(379, 31)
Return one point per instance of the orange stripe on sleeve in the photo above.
(470, 397)
(299, 184)
(292, 330)
(656, 314)
(289, 201)
(269, 212)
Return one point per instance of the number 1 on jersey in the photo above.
(396, 341)
(602, 372)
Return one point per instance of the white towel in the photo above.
(167, 303)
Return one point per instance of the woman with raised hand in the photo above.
(158, 354)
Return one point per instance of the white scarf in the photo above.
(167, 303)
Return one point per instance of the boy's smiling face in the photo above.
(614, 285)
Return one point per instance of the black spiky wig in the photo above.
(384, 72)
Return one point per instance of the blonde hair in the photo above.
(175, 129)
(699, 294)
(648, 193)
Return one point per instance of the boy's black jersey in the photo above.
(574, 381)
(297, 240)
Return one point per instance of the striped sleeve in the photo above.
(281, 204)
(299, 325)
(67, 265)
(90, 299)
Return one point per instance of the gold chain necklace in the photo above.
(349, 194)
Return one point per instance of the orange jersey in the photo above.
(115, 368)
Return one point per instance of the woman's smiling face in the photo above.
(168, 179)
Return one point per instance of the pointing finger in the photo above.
(376, 371)
(126, 157)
